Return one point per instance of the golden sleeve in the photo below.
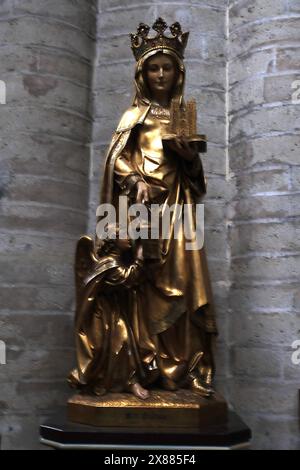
(195, 174)
(126, 276)
(124, 173)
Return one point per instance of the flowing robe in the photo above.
(106, 322)
(175, 303)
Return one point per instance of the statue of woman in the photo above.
(171, 315)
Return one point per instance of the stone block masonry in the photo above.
(263, 63)
(47, 52)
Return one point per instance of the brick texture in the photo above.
(264, 226)
(47, 51)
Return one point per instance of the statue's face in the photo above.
(160, 74)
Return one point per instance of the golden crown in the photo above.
(141, 43)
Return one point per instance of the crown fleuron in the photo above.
(141, 43)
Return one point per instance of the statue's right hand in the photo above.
(181, 146)
(142, 193)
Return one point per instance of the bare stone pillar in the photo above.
(46, 49)
(264, 236)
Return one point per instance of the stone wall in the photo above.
(264, 61)
(47, 48)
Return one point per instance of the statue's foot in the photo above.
(201, 388)
(139, 391)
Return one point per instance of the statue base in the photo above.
(59, 433)
(163, 409)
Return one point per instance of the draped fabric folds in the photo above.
(156, 321)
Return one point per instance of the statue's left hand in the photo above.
(181, 146)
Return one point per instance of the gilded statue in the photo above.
(144, 308)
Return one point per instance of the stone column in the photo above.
(264, 234)
(47, 49)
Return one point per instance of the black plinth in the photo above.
(61, 434)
